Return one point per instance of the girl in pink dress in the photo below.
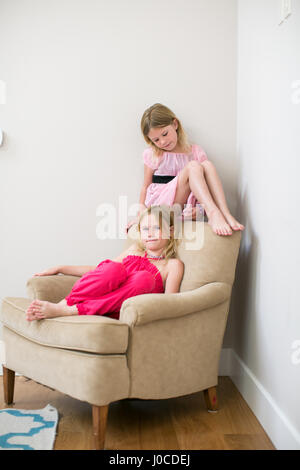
(176, 172)
(148, 266)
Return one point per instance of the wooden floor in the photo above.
(174, 424)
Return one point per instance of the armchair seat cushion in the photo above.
(94, 334)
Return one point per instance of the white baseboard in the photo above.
(280, 430)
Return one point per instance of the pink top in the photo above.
(142, 263)
(169, 164)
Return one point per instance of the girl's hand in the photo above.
(192, 213)
(189, 213)
(48, 272)
(131, 222)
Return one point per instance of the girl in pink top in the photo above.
(176, 172)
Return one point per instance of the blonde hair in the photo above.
(158, 116)
(165, 217)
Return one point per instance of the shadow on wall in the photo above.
(246, 288)
(4, 145)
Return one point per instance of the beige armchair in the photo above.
(162, 346)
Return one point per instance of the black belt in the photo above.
(162, 179)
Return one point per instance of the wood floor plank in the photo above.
(247, 442)
(181, 423)
(237, 414)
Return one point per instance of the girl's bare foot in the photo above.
(218, 223)
(40, 309)
(234, 224)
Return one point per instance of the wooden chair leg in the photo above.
(99, 425)
(8, 385)
(211, 400)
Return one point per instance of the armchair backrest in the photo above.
(207, 257)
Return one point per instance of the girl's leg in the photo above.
(137, 283)
(216, 189)
(191, 178)
(40, 309)
(105, 278)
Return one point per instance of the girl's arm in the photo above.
(71, 270)
(75, 270)
(175, 275)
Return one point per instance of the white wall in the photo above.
(266, 320)
(79, 75)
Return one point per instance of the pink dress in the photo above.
(103, 290)
(170, 164)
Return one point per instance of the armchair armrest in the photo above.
(146, 308)
(52, 288)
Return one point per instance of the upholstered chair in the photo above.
(162, 346)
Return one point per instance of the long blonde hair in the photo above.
(158, 116)
(165, 217)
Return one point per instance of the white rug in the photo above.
(28, 429)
